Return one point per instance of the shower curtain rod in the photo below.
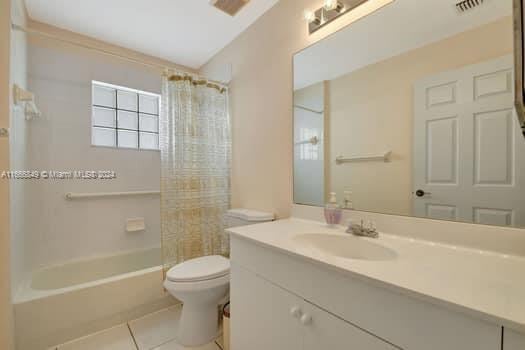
(106, 52)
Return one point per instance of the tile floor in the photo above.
(151, 332)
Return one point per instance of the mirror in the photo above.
(410, 111)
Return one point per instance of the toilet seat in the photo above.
(201, 269)
(199, 286)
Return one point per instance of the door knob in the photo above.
(421, 193)
(306, 319)
(296, 312)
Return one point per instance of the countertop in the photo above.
(484, 284)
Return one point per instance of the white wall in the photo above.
(58, 230)
(18, 147)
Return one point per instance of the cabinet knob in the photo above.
(306, 319)
(296, 312)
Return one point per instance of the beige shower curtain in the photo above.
(195, 144)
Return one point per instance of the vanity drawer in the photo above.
(513, 340)
(400, 319)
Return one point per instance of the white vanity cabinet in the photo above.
(326, 331)
(261, 314)
(513, 340)
(269, 317)
(291, 302)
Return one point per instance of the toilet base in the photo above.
(198, 325)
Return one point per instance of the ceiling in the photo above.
(186, 32)
(399, 27)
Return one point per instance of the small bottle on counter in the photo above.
(347, 204)
(332, 211)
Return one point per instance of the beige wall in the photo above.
(372, 112)
(5, 292)
(261, 103)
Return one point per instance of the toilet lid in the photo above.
(199, 269)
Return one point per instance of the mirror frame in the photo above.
(519, 62)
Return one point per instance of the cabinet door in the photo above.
(323, 330)
(513, 340)
(261, 314)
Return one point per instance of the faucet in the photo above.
(363, 231)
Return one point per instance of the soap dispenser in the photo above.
(332, 211)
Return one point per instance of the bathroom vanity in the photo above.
(298, 284)
(410, 114)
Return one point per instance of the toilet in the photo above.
(202, 284)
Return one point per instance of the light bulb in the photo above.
(330, 4)
(309, 16)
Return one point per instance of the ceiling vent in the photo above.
(466, 5)
(231, 7)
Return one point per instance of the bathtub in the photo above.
(64, 302)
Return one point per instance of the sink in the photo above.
(348, 247)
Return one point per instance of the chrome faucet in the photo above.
(362, 230)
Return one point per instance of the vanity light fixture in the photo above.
(333, 9)
(331, 5)
(312, 17)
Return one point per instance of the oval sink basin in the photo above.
(348, 247)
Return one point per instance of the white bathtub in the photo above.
(64, 302)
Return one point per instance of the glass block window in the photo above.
(309, 151)
(124, 118)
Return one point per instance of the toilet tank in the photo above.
(243, 217)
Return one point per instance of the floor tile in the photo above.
(156, 329)
(117, 338)
(172, 345)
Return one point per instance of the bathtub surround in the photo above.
(18, 141)
(6, 329)
(60, 75)
(195, 146)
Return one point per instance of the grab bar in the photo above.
(72, 195)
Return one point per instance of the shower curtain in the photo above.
(195, 145)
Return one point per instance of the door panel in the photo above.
(493, 161)
(490, 216)
(329, 332)
(442, 151)
(441, 212)
(261, 314)
(487, 85)
(469, 155)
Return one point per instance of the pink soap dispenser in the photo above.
(332, 211)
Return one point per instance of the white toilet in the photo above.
(202, 284)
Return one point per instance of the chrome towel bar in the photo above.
(380, 158)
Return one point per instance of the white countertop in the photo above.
(484, 284)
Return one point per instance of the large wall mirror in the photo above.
(410, 111)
